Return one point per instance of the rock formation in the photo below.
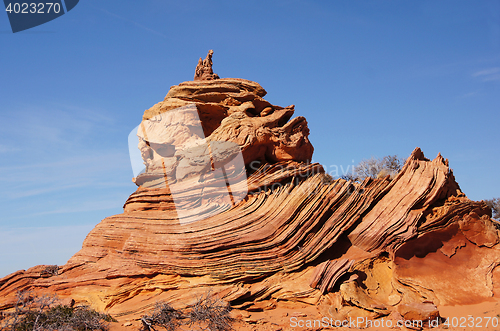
(292, 239)
(204, 69)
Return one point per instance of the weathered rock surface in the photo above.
(377, 248)
(204, 69)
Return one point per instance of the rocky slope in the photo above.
(296, 240)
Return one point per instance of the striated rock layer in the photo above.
(381, 247)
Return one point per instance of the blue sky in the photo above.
(372, 78)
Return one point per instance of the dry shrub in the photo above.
(43, 313)
(212, 312)
(49, 271)
(326, 178)
(389, 165)
(209, 313)
(494, 204)
(163, 315)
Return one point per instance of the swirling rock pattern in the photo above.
(376, 248)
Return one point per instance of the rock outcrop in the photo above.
(289, 236)
(204, 69)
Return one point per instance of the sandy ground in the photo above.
(484, 316)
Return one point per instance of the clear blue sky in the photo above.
(372, 78)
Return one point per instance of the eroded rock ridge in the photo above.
(381, 247)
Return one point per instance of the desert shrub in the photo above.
(28, 312)
(368, 168)
(86, 318)
(389, 165)
(212, 312)
(350, 176)
(209, 313)
(49, 271)
(393, 163)
(163, 315)
(326, 178)
(43, 313)
(494, 204)
(54, 318)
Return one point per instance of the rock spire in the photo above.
(204, 69)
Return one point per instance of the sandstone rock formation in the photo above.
(204, 69)
(297, 239)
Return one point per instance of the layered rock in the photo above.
(234, 110)
(375, 248)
